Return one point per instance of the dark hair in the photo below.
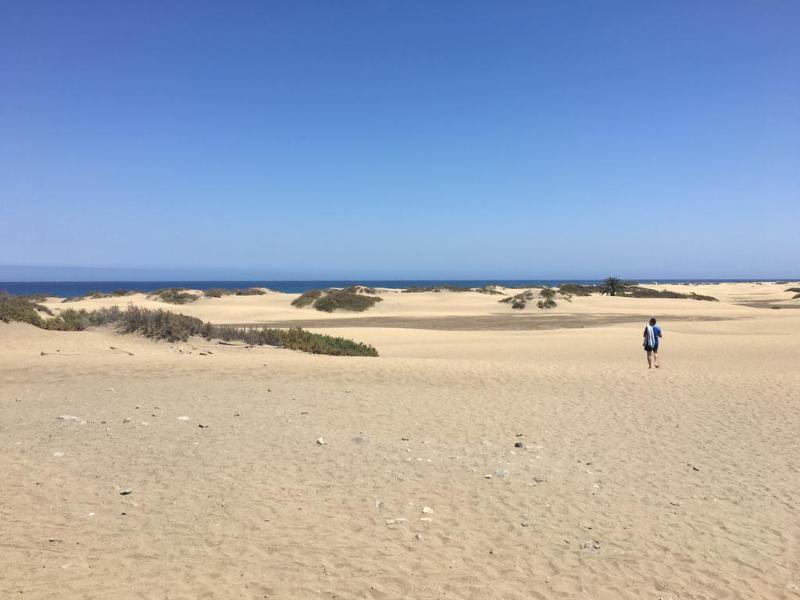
(652, 321)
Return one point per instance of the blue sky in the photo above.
(383, 139)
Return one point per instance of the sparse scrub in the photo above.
(518, 301)
(94, 295)
(796, 296)
(437, 288)
(174, 296)
(490, 290)
(166, 325)
(793, 289)
(21, 308)
(548, 298)
(216, 293)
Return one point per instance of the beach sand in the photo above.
(679, 482)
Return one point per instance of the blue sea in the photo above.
(67, 289)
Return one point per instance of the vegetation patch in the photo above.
(96, 294)
(25, 309)
(307, 298)
(174, 296)
(436, 288)
(793, 289)
(295, 339)
(574, 289)
(548, 298)
(614, 286)
(331, 300)
(518, 301)
(635, 291)
(220, 292)
(490, 290)
(165, 325)
(360, 289)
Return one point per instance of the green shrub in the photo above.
(215, 293)
(295, 339)
(250, 292)
(331, 300)
(162, 324)
(796, 296)
(359, 289)
(575, 289)
(340, 300)
(307, 298)
(793, 289)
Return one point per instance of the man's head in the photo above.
(652, 321)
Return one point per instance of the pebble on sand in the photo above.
(321, 441)
(183, 418)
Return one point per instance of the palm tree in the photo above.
(612, 286)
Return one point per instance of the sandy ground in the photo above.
(681, 482)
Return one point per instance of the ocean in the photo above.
(67, 289)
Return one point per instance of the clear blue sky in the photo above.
(402, 139)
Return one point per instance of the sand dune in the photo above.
(676, 483)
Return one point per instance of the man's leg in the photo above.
(655, 357)
(649, 359)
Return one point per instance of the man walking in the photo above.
(652, 335)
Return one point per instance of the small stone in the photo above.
(391, 522)
(487, 476)
(201, 426)
(183, 418)
(126, 420)
(427, 510)
(58, 454)
(321, 441)
(425, 519)
(68, 418)
(405, 439)
(519, 445)
(500, 472)
(125, 492)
